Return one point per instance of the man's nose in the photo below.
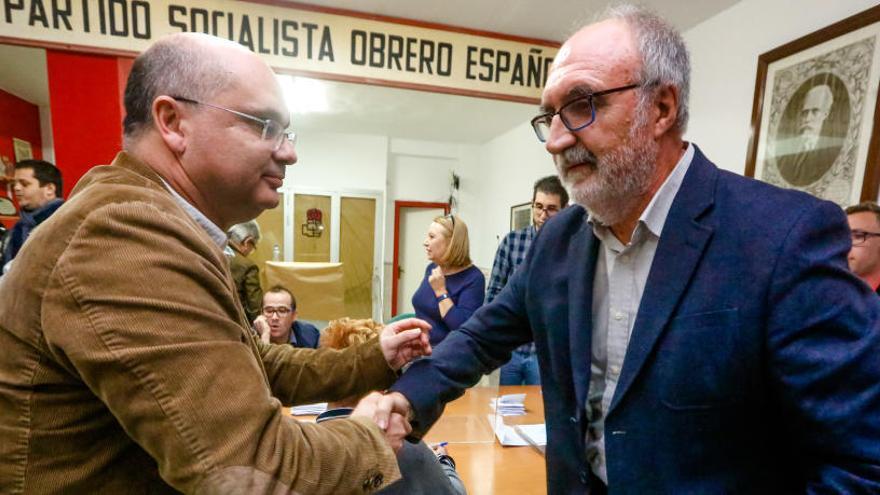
(286, 154)
(559, 138)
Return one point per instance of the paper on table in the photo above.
(535, 435)
(509, 436)
(509, 405)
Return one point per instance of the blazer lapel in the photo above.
(678, 254)
(581, 258)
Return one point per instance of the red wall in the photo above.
(85, 96)
(21, 119)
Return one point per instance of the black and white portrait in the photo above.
(812, 131)
(816, 107)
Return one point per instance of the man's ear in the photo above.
(168, 120)
(50, 188)
(665, 109)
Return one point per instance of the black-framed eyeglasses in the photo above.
(272, 131)
(861, 236)
(550, 210)
(576, 114)
(281, 311)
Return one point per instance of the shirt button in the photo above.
(615, 370)
(573, 420)
(583, 476)
(618, 315)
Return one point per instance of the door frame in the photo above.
(336, 195)
(395, 267)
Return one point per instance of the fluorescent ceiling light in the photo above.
(304, 95)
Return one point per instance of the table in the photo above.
(484, 465)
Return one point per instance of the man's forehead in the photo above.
(863, 219)
(589, 59)
(275, 299)
(543, 197)
(24, 173)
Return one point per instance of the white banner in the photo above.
(292, 39)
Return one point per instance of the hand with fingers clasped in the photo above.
(405, 340)
(437, 281)
(394, 424)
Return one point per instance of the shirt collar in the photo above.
(214, 232)
(655, 214)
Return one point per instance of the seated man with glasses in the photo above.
(548, 198)
(864, 256)
(278, 323)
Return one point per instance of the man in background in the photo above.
(864, 256)
(279, 324)
(548, 198)
(38, 191)
(127, 363)
(243, 239)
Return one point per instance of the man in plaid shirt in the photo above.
(548, 198)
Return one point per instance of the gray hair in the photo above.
(665, 59)
(179, 65)
(241, 231)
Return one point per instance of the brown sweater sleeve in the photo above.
(140, 307)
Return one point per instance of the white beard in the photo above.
(613, 185)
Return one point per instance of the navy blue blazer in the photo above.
(753, 365)
(306, 334)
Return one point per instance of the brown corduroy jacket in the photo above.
(127, 366)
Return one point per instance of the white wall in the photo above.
(724, 59)
(511, 163)
(339, 161)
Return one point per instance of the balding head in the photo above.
(193, 65)
(209, 117)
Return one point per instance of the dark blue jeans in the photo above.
(522, 369)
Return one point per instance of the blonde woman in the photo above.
(453, 288)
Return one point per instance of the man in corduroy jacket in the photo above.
(127, 365)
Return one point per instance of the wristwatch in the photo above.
(443, 297)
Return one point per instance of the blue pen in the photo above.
(443, 444)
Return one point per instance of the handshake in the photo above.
(401, 342)
(391, 412)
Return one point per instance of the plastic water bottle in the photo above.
(276, 253)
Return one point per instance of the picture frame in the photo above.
(23, 150)
(815, 117)
(520, 215)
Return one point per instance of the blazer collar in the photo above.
(678, 254)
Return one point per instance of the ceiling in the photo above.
(550, 20)
(365, 109)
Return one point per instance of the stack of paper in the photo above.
(519, 435)
(509, 405)
(309, 409)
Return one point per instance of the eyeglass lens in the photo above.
(282, 311)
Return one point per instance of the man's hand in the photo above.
(395, 425)
(390, 404)
(405, 340)
(261, 325)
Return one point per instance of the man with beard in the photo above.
(697, 331)
(807, 157)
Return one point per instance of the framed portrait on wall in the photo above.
(23, 150)
(520, 216)
(814, 116)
